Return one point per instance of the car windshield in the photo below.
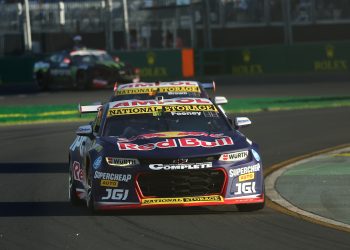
(127, 126)
(92, 58)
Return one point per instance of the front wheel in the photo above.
(90, 195)
(42, 81)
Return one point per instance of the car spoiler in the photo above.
(89, 108)
(209, 85)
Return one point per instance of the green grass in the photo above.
(69, 112)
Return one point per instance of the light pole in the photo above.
(126, 24)
(27, 29)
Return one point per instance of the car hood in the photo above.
(167, 145)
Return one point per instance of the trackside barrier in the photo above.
(315, 58)
(277, 59)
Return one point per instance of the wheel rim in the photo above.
(70, 181)
(89, 190)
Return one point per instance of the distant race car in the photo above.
(164, 153)
(82, 69)
(148, 90)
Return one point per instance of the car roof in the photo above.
(156, 84)
(85, 52)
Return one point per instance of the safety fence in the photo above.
(170, 64)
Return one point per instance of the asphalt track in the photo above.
(35, 214)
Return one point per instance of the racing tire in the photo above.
(90, 197)
(42, 81)
(250, 207)
(73, 198)
(82, 81)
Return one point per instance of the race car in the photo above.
(82, 69)
(164, 153)
(148, 90)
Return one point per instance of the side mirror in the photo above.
(220, 100)
(241, 122)
(85, 130)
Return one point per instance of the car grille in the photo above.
(181, 183)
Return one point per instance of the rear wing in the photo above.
(209, 85)
(89, 108)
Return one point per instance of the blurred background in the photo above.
(227, 37)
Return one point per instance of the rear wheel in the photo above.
(73, 198)
(90, 196)
(82, 80)
(42, 81)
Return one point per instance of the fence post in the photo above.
(126, 24)
(109, 26)
(27, 29)
(288, 29)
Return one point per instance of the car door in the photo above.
(60, 68)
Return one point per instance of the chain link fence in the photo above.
(165, 23)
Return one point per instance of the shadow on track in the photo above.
(28, 168)
(39, 209)
(64, 208)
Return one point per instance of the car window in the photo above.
(132, 125)
(56, 58)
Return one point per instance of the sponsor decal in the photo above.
(109, 183)
(122, 162)
(244, 170)
(177, 93)
(194, 142)
(182, 200)
(180, 166)
(331, 62)
(77, 171)
(236, 156)
(116, 194)
(170, 134)
(186, 113)
(256, 155)
(112, 176)
(172, 143)
(245, 188)
(97, 162)
(153, 84)
(160, 89)
(246, 177)
(247, 67)
(174, 101)
(135, 110)
(182, 108)
(159, 109)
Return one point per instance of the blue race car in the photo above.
(164, 153)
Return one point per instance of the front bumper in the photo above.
(237, 184)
